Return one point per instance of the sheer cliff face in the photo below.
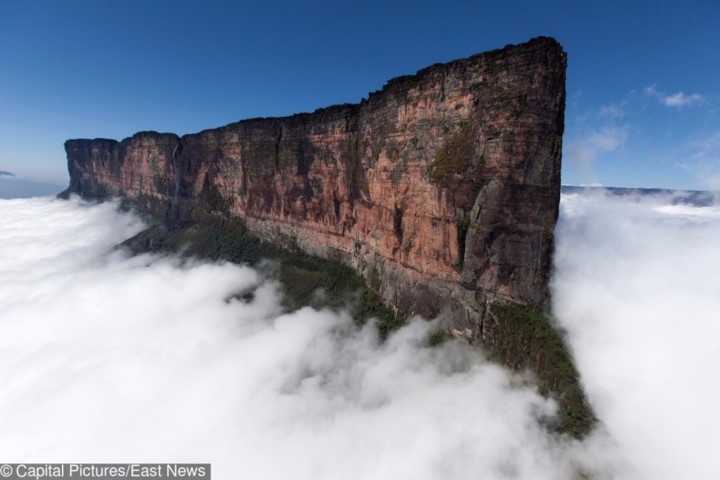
(441, 189)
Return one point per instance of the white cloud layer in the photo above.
(116, 359)
(110, 358)
(636, 285)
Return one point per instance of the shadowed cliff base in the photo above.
(305, 280)
(439, 191)
(530, 339)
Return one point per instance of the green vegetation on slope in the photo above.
(527, 338)
(455, 157)
(301, 276)
(523, 337)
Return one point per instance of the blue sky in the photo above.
(643, 92)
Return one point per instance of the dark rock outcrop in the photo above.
(441, 190)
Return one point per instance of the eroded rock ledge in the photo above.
(441, 190)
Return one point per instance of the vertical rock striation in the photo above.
(441, 189)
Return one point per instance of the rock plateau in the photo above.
(441, 190)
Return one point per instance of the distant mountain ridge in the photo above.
(698, 198)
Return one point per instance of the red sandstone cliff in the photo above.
(441, 189)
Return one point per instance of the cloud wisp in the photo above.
(583, 152)
(704, 160)
(111, 358)
(613, 110)
(674, 100)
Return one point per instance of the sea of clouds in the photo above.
(106, 357)
(637, 286)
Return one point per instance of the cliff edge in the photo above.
(441, 190)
